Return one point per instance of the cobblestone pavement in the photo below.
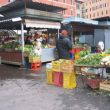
(22, 89)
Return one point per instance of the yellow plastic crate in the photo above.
(49, 73)
(56, 65)
(34, 59)
(67, 66)
(69, 81)
(68, 69)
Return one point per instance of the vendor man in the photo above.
(64, 45)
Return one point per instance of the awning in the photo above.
(79, 20)
(42, 24)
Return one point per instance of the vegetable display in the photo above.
(106, 61)
(107, 51)
(91, 59)
(11, 45)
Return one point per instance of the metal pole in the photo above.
(72, 35)
(22, 37)
(58, 33)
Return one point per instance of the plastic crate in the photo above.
(78, 50)
(49, 73)
(56, 65)
(93, 83)
(69, 81)
(58, 78)
(68, 69)
(36, 66)
(34, 59)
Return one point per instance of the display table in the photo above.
(83, 73)
(15, 57)
(89, 66)
(11, 57)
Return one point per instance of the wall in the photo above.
(107, 38)
(86, 39)
(99, 35)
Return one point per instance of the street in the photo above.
(22, 89)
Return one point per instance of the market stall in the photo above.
(28, 15)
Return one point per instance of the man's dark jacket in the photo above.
(63, 46)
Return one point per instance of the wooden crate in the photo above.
(105, 86)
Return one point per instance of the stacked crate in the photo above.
(57, 74)
(62, 74)
(35, 62)
(69, 79)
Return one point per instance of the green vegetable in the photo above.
(91, 59)
(84, 53)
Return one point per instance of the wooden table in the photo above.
(89, 66)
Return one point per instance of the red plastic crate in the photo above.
(58, 78)
(93, 83)
(36, 66)
(78, 50)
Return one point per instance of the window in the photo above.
(64, 12)
(102, 12)
(64, 1)
(78, 15)
(77, 6)
(97, 13)
(71, 1)
(94, 14)
(106, 11)
(71, 12)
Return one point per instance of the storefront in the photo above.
(29, 15)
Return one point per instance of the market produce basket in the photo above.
(69, 80)
(58, 78)
(49, 73)
(56, 65)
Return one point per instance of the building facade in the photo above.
(69, 5)
(96, 9)
(79, 8)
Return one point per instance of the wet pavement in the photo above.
(22, 89)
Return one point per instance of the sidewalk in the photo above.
(20, 89)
